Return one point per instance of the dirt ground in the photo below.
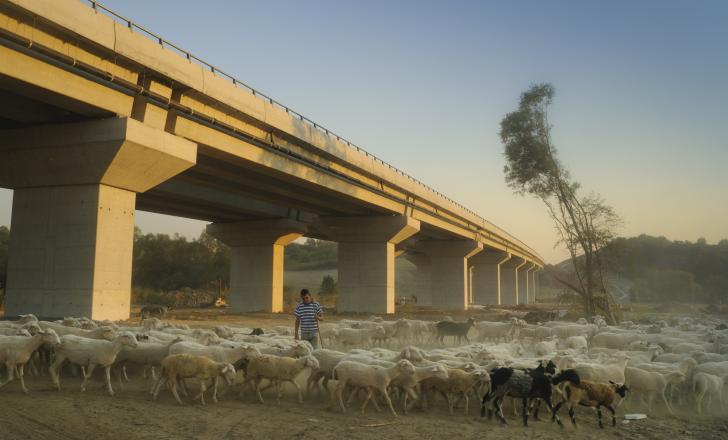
(70, 414)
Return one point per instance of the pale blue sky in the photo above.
(640, 114)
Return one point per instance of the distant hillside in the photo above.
(650, 269)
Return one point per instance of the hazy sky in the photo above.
(640, 114)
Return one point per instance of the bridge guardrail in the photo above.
(97, 6)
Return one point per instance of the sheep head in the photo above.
(228, 374)
(49, 336)
(127, 339)
(619, 389)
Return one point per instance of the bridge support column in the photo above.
(529, 279)
(522, 282)
(72, 223)
(487, 276)
(449, 271)
(509, 280)
(423, 283)
(256, 263)
(366, 260)
(533, 284)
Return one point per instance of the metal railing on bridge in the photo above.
(217, 71)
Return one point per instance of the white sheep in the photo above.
(371, 377)
(361, 336)
(327, 359)
(16, 351)
(89, 353)
(407, 383)
(459, 383)
(107, 333)
(230, 355)
(148, 354)
(178, 367)
(709, 385)
(277, 369)
(648, 384)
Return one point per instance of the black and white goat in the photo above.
(526, 385)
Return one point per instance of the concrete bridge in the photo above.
(100, 117)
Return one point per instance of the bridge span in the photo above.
(100, 117)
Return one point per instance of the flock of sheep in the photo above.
(402, 363)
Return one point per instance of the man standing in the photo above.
(308, 314)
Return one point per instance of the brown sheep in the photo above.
(586, 393)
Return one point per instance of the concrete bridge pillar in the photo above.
(423, 283)
(509, 280)
(533, 283)
(487, 276)
(525, 288)
(449, 270)
(72, 223)
(256, 263)
(366, 259)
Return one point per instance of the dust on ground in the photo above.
(70, 414)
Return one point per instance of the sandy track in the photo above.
(70, 414)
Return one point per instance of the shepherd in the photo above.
(308, 314)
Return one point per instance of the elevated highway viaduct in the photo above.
(100, 117)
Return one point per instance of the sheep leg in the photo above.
(599, 415)
(157, 386)
(53, 370)
(524, 411)
(87, 375)
(183, 386)
(667, 404)
(450, 403)
(298, 388)
(10, 372)
(173, 385)
(215, 383)
(279, 392)
(499, 409)
(21, 374)
(554, 415)
(339, 391)
(154, 374)
(614, 416)
(389, 402)
(107, 373)
(366, 400)
(467, 402)
(257, 390)
(201, 394)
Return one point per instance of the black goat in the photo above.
(456, 329)
(526, 385)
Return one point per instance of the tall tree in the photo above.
(585, 223)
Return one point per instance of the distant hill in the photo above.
(650, 269)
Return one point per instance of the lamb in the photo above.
(648, 383)
(458, 383)
(371, 377)
(710, 384)
(227, 355)
(178, 367)
(149, 355)
(16, 351)
(455, 329)
(328, 359)
(22, 320)
(587, 393)
(107, 333)
(360, 336)
(89, 353)
(527, 385)
(602, 373)
(578, 343)
(498, 330)
(277, 369)
(408, 383)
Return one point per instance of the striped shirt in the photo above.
(306, 313)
